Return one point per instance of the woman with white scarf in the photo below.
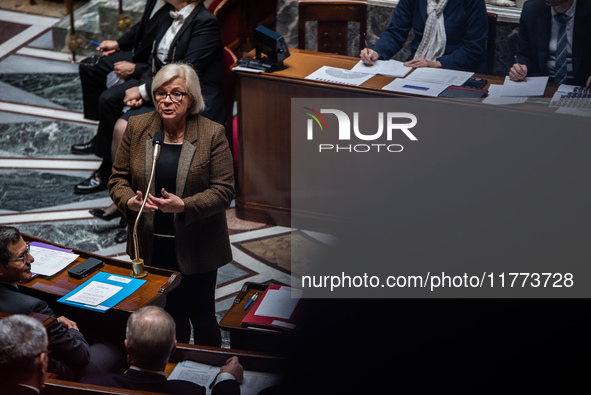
(449, 34)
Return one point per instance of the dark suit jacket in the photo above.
(140, 38)
(205, 182)
(200, 44)
(69, 349)
(466, 28)
(533, 39)
(154, 382)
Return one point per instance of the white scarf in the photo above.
(432, 45)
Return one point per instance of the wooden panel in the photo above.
(61, 387)
(264, 126)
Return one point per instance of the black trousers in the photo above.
(102, 104)
(193, 301)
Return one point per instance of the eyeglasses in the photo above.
(174, 96)
(24, 256)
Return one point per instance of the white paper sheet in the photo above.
(531, 87)
(204, 374)
(494, 97)
(49, 262)
(339, 76)
(440, 76)
(415, 87)
(279, 303)
(94, 293)
(390, 68)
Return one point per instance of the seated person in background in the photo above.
(450, 34)
(194, 38)
(127, 58)
(71, 356)
(23, 355)
(149, 344)
(540, 49)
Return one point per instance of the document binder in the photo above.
(282, 322)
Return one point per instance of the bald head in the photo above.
(151, 338)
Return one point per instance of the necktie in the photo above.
(560, 58)
(175, 15)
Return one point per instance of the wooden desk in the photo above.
(45, 320)
(264, 105)
(242, 337)
(158, 283)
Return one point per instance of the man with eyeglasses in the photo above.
(23, 355)
(72, 357)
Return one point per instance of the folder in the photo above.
(115, 288)
(278, 308)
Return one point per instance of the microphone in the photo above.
(137, 264)
(157, 143)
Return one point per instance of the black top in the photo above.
(165, 177)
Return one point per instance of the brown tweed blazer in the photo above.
(205, 182)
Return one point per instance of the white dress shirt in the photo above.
(165, 43)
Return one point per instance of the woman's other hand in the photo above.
(422, 62)
(168, 203)
(135, 203)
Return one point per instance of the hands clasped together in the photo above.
(168, 203)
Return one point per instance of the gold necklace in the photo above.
(174, 138)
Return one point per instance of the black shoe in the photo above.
(100, 213)
(84, 148)
(121, 237)
(97, 182)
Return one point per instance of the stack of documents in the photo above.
(512, 92)
(572, 100)
(389, 68)
(49, 259)
(427, 81)
(204, 375)
(339, 76)
(277, 308)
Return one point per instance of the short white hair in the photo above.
(186, 73)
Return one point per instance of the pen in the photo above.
(254, 297)
(517, 61)
(95, 43)
(214, 379)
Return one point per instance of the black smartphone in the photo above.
(475, 83)
(83, 269)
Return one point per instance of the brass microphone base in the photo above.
(138, 269)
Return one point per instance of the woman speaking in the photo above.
(184, 225)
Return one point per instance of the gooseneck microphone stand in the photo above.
(137, 264)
